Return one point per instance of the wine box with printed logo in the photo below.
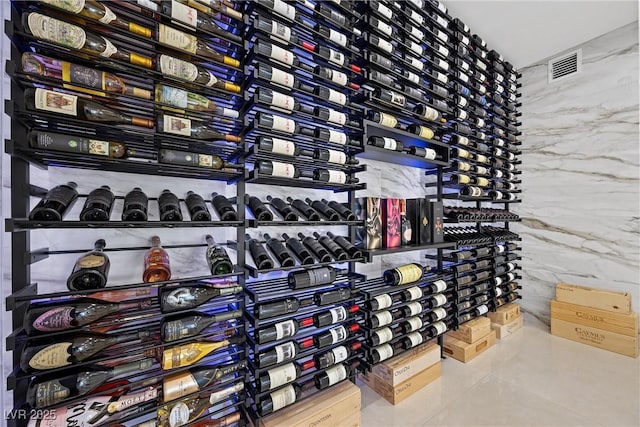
(418, 215)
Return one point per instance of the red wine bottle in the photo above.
(280, 251)
(281, 375)
(332, 247)
(307, 211)
(56, 203)
(197, 207)
(283, 209)
(259, 254)
(315, 248)
(135, 206)
(97, 206)
(194, 324)
(336, 355)
(324, 209)
(281, 353)
(335, 335)
(344, 212)
(334, 375)
(298, 249)
(333, 316)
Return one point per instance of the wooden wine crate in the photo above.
(504, 314)
(396, 394)
(503, 331)
(473, 330)
(464, 351)
(620, 323)
(337, 406)
(606, 340)
(617, 302)
(401, 368)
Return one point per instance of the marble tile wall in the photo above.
(581, 219)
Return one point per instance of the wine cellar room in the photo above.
(320, 213)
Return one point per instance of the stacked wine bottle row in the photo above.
(404, 309)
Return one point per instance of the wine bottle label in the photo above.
(178, 97)
(384, 44)
(337, 137)
(416, 63)
(383, 318)
(384, 10)
(483, 309)
(339, 77)
(383, 301)
(443, 64)
(498, 195)
(282, 78)
(285, 170)
(440, 328)
(482, 182)
(283, 101)
(443, 22)
(425, 132)
(463, 153)
(340, 354)
(283, 124)
(480, 123)
(285, 329)
(337, 37)
(51, 356)
(286, 351)
(383, 334)
(283, 397)
(176, 125)
(429, 113)
(397, 99)
(56, 319)
(510, 266)
(282, 55)
(149, 4)
(412, 77)
(46, 28)
(281, 31)
(384, 27)
(178, 68)
(415, 308)
(481, 170)
(50, 392)
(62, 103)
(415, 338)
(336, 57)
(499, 292)
(510, 277)
(442, 77)
(442, 36)
(337, 117)
(91, 261)
(338, 177)
(440, 286)
(178, 385)
(414, 293)
(388, 120)
(415, 323)
(384, 351)
(464, 179)
(481, 65)
(417, 33)
(443, 50)
(337, 97)
(281, 375)
(338, 334)
(477, 192)
(336, 374)
(408, 273)
(338, 314)
(463, 77)
(284, 9)
(462, 115)
(415, 47)
(183, 13)
(73, 6)
(440, 313)
(177, 39)
(439, 300)
(464, 166)
(281, 146)
(108, 15)
(415, 16)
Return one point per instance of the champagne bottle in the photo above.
(90, 270)
(336, 355)
(334, 249)
(189, 409)
(280, 251)
(66, 104)
(192, 325)
(189, 43)
(280, 307)
(259, 210)
(311, 277)
(324, 209)
(197, 17)
(72, 36)
(97, 206)
(217, 258)
(188, 354)
(156, 263)
(135, 206)
(223, 207)
(55, 317)
(281, 375)
(344, 212)
(298, 249)
(185, 100)
(315, 248)
(56, 203)
(352, 251)
(283, 209)
(259, 255)
(307, 211)
(193, 380)
(169, 206)
(197, 207)
(404, 274)
(186, 71)
(188, 297)
(78, 75)
(44, 393)
(189, 128)
(76, 349)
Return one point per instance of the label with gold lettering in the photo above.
(175, 386)
(51, 356)
(177, 39)
(108, 15)
(91, 261)
(50, 392)
(62, 103)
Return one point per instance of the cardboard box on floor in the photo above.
(503, 331)
(505, 313)
(464, 351)
(396, 394)
(473, 330)
(617, 302)
(398, 369)
(337, 406)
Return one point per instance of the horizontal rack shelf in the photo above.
(255, 272)
(303, 223)
(18, 224)
(256, 178)
(377, 252)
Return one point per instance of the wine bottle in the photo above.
(192, 296)
(225, 421)
(259, 255)
(280, 330)
(336, 355)
(186, 127)
(315, 248)
(192, 325)
(352, 251)
(211, 7)
(344, 212)
(223, 207)
(197, 379)
(281, 375)
(283, 209)
(156, 263)
(333, 316)
(381, 336)
(135, 206)
(298, 249)
(384, 119)
(333, 176)
(259, 210)
(425, 153)
(404, 274)
(72, 36)
(169, 206)
(217, 257)
(436, 300)
(383, 318)
(186, 71)
(381, 353)
(191, 44)
(78, 75)
(334, 296)
(185, 158)
(280, 251)
(197, 207)
(334, 249)
(90, 270)
(324, 209)
(280, 398)
(44, 393)
(72, 314)
(182, 412)
(98, 205)
(71, 350)
(307, 211)
(335, 335)
(334, 375)
(188, 354)
(281, 353)
(182, 99)
(277, 169)
(56, 203)
(276, 308)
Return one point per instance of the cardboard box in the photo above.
(436, 216)
(418, 215)
(465, 352)
(391, 223)
(401, 368)
(620, 323)
(406, 231)
(505, 313)
(618, 302)
(503, 331)
(606, 340)
(473, 330)
(369, 210)
(336, 406)
(396, 394)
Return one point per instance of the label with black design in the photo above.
(176, 125)
(281, 31)
(338, 314)
(338, 334)
(336, 57)
(337, 37)
(286, 351)
(388, 120)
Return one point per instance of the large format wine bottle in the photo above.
(55, 203)
(44, 393)
(156, 263)
(311, 277)
(217, 257)
(39, 99)
(90, 270)
(192, 296)
(188, 354)
(191, 44)
(78, 348)
(193, 324)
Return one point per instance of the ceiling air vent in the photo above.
(565, 66)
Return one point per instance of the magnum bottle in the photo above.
(90, 270)
(307, 211)
(259, 254)
(276, 308)
(223, 207)
(194, 324)
(283, 209)
(71, 350)
(45, 393)
(188, 354)
(352, 251)
(336, 355)
(280, 251)
(344, 212)
(47, 318)
(77, 74)
(191, 44)
(56, 203)
(298, 249)
(334, 249)
(217, 258)
(169, 206)
(315, 248)
(259, 210)
(281, 375)
(404, 274)
(193, 380)
(136, 205)
(189, 128)
(97, 206)
(324, 209)
(191, 296)
(186, 71)
(197, 207)
(156, 263)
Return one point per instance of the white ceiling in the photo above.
(526, 31)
